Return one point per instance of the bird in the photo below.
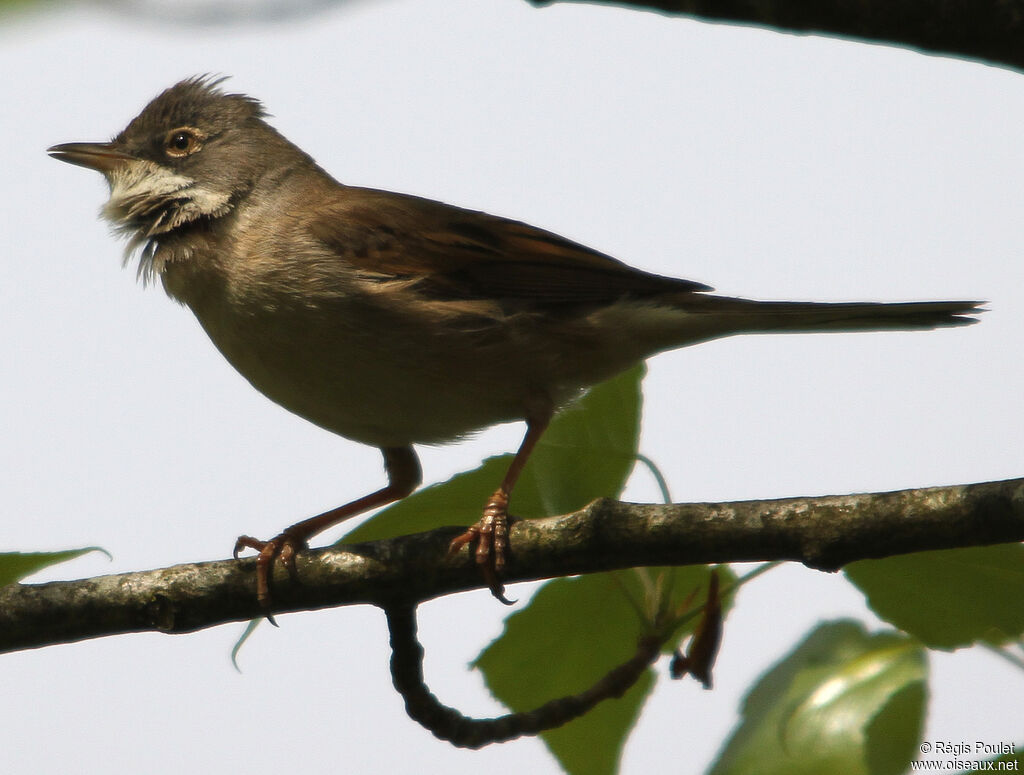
(395, 320)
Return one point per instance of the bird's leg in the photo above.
(404, 475)
(491, 532)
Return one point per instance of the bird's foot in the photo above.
(285, 547)
(491, 535)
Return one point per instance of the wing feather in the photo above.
(456, 254)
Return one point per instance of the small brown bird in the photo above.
(394, 320)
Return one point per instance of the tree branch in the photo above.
(990, 30)
(824, 533)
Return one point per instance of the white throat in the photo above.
(147, 200)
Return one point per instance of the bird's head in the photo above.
(190, 155)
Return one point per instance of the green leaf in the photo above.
(586, 453)
(14, 566)
(892, 737)
(949, 598)
(843, 701)
(571, 633)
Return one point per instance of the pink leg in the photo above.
(403, 470)
(491, 532)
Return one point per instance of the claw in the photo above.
(461, 540)
(491, 535)
(246, 542)
(284, 547)
(495, 585)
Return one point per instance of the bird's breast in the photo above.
(348, 364)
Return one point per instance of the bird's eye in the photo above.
(181, 142)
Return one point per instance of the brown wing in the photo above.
(457, 254)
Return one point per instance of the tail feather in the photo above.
(809, 317)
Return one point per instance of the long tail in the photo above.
(746, 316)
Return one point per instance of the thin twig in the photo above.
(449, 724)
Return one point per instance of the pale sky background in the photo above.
(767, 165)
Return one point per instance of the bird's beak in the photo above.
(102, 157)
